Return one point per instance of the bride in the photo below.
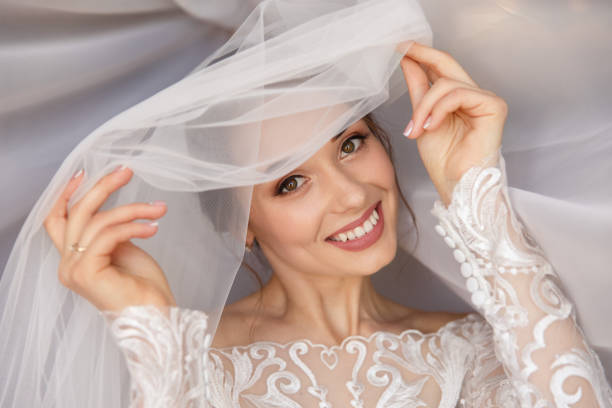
(318, 332)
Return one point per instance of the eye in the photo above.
(351, 144)
(290, 184)
(293, 183)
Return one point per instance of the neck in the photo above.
(333, 307)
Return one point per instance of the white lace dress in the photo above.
(524, 349)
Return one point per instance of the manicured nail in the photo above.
(78, 173)
(154, 224)
(158, 203)
(427, 122)
(120, 167)
(409, 128)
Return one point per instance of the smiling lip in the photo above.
(357, 222)
(368, 239)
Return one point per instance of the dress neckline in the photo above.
(366, 339)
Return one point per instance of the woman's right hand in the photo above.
(111, 273)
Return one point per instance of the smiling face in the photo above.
(335, 214)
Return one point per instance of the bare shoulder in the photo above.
(235, 323)
(431, 322)
(421, 320)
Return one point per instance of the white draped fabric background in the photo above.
(66, 67)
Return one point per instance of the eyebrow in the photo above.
(333, 139)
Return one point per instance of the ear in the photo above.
(250, 237)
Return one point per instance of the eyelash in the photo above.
(283, 184)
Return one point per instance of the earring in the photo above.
(247, 249)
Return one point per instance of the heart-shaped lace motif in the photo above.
(329, 358)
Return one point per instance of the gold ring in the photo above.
(77, 248)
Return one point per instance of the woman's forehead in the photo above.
(295, 127)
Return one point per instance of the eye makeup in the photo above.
(290, 184)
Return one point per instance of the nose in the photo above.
(346, 190)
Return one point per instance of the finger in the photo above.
(419, 117)
(81, 212)
(97, 256)
(471, 101)
(121, 215)
(416, 79)
(433, 77)
(55, 223)
(440, 62)
(108, 239)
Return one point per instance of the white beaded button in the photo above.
(466, 270)
(471, 284)
(440, 230)
(449, 242)
(459, 256)
(478, 297)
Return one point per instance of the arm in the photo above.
(166, 350)
(543, 351)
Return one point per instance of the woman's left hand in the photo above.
(455, 123)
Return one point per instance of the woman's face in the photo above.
(322, 217)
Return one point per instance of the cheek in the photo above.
(379, 168)
(289, 224)
(381, 173)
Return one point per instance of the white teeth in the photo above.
(360, 231)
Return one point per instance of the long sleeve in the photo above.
(166, 352)
(545, 357)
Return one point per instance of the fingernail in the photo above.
(78, 173)
(158, 203)
(427, 122)
(120, 167)
(409, 128)
(154, 224)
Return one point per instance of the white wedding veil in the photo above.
(294, 74)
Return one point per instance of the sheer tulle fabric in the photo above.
(290, 78)
(194, 143)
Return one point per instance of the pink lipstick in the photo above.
(365, 241)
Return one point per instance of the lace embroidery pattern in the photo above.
(166, 352)
(442, 356)
(171, 364)
(517, 290)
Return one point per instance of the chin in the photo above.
(374, 258)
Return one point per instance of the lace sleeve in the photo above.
(166, 352)
(544, 353)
